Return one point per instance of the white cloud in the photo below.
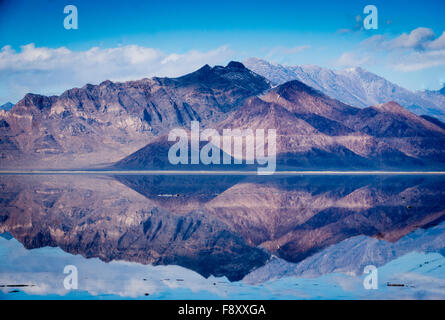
(439, 43)
(421, 60)
(417, 39)
(51, 71)
(414, 51)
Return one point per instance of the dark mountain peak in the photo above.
(203, 74)
(293, 87)
(106, 83)
(89, 87)
(235, 65)
(442, 91)
(234, 77)
(7, 106)
(36, 100)
(232, 65)
(205, 68)
(217, 71)
(32, 96)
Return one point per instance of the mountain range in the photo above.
(125, 125)
(353, 86)
(318, 132)
(100, 124)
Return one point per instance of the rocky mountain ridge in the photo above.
(354, 86)
(98, 124)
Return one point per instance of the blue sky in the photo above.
(144, 38)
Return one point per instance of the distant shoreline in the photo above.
(208, 172)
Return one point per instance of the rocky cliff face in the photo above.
(317, 132)
(103, 123)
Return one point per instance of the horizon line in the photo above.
(216, 172)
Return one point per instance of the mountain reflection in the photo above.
(214, 225)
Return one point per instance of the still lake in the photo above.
(222, 236)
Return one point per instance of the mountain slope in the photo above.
(317, 132)
(354, 86)
(437, 122)
(102, 123)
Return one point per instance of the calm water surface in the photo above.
(195, 236)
